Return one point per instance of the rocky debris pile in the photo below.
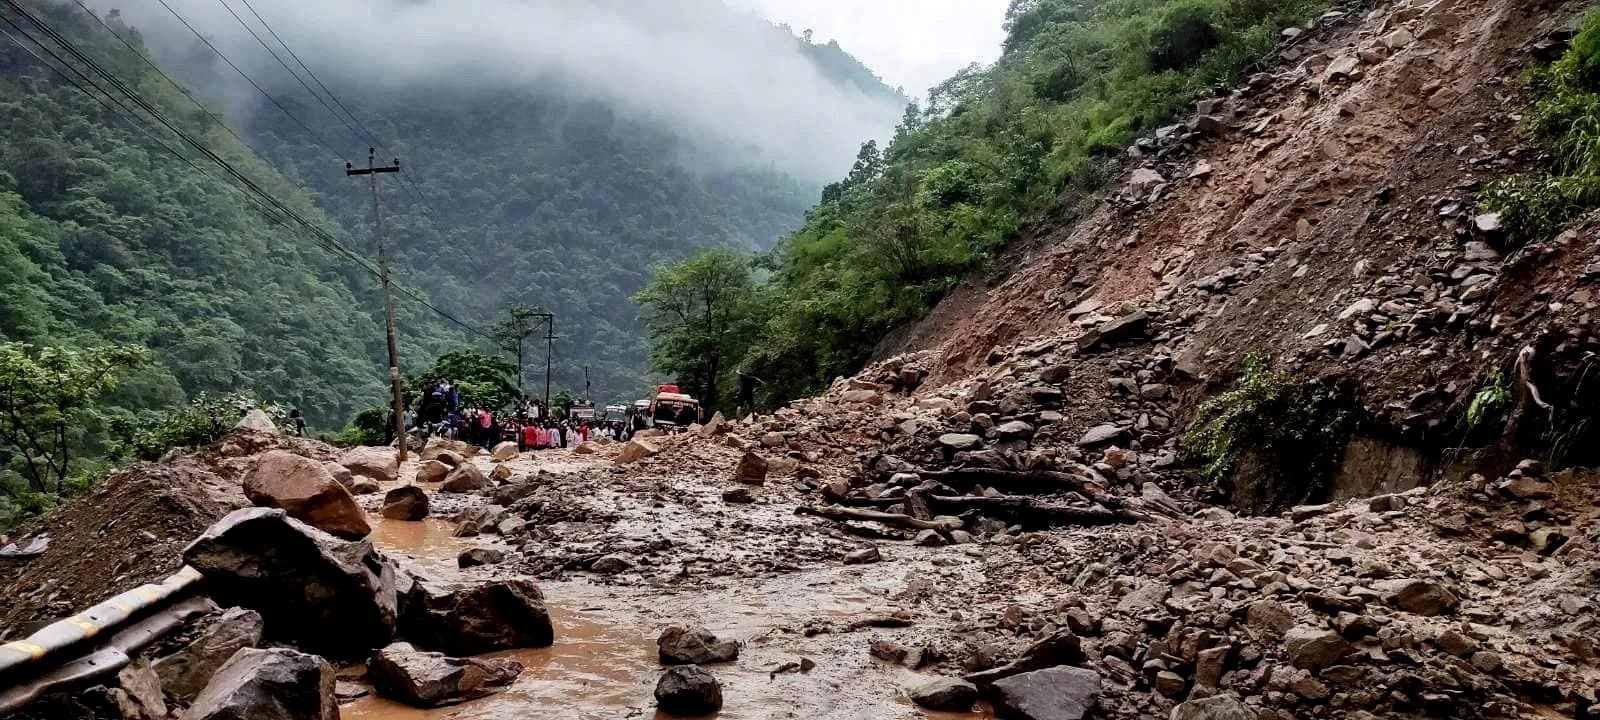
(184, 664)
(1396, 606)
(429, 679)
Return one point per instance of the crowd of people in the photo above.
(439, 410)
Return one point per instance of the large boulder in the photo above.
(694, 645)
(465, 478)
(505, 452)
(376, 463)
(280, 684)
(944, 695)
(330, 596)
(184, 673)
(432, 471)
(428, 679)
(1061, 647)
(340, 473)
(407, 502)
(447, 451)
(637, 449)
(304, 489)
(1058, 693)
(472, 619)
(688, 690)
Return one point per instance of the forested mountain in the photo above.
(557, 187)
(105, 237)
(543, 191)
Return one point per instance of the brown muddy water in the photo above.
(603, 664)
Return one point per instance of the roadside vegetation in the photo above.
(1272, 440)
(994, 148)
(1565, 123)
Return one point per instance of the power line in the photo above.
(411, 185)
(285, 65)
(316, 136)
(266, 202)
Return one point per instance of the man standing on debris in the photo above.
(747, 393)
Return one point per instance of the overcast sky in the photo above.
(911, 43)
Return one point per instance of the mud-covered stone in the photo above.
(407, 502)
(694, 645)
(432, 471)
(475, 618)
(465, 478)
(425, 679)
(279, 684)
(944, 694)
(380, 464)
(305, 489)
(688, 690)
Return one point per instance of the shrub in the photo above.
(202, 422)
(1274, 438)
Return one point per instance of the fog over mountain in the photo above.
(722, 78)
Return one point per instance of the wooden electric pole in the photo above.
(399, 406)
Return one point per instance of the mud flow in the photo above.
(603, 664)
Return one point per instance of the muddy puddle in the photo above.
(603, 664)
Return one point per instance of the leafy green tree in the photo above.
(484, 380)
(46, 393)
(699, 316)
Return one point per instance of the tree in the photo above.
(484, 380)
(44, 393)
(698, 314)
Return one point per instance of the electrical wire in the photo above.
(263, 200)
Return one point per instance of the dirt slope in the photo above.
(1328, 222)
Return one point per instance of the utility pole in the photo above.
(549, 354)
(373, 170)
(586, 386)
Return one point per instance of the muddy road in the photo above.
(604, 664)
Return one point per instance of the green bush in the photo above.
(368, 427)
(203, 421)
(1274, 439)
(1565, 122)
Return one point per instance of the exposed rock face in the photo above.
(429, 679)
(474, 619)
(465, 478)
(303, 488)
(331, 596)
(432, 471)
(380, 464)
(505, 452)
(184, 673)
(1058, 693)
(944, 694)
(280, 684)
(694, 645)
(407, 502)
(689, 690)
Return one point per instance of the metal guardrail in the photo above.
(55, 655)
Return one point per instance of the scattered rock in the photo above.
(259, 421)
(688, 690)
(693, 645)
(279, 683)
(432, 471)
(380, 464)
(944, 694)
(1102, 434)
(465, 478)
(1216, 707)
(961, 441)
(472, 619)
(473, 557)
(752, 469)
(184, 673)
(1423, 597)
(1058, 693)
(407, 502)
(863, 556)
(304, 489)
(611, 565)
(505, 452)
(327, 595)
(637, 449)
(1314, 648)
(429, 679)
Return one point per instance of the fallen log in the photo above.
(836, 512)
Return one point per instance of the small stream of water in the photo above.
(603, 664)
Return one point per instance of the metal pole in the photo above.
(549, 354)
